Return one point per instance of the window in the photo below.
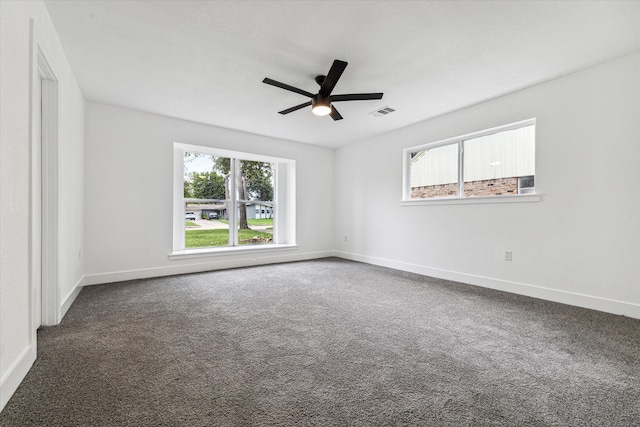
(494, 162)
(226, 200)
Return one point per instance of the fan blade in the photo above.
(332, 78)
(296, 108)
(334, 114)
(356, 97)
(287, 87)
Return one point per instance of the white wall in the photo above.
(129, 193)
(579, 245)
(17, 334)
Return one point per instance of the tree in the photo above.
(253, 180)
(207, 185)
(258, 179)
(187, 191)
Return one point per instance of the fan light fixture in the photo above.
(320, 105)
(322, 102)
(321, 110)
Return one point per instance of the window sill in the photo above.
(230, 250)
(522, 198)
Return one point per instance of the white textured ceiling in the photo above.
(204, 61)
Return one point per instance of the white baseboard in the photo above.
(21, 366)
(16, 373)
(569, 298)
(564, 297)
(210, 265)
(70, 298)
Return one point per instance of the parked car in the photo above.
(190, 216)
(213, 215)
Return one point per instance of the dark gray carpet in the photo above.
(327, 342)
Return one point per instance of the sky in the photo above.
(202, 163)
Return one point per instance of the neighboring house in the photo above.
(203, 210)
(259, 211)
(254, 210)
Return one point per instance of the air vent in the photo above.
(382, 111)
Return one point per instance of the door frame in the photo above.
(45, 241)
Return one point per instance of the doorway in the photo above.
(44, 196)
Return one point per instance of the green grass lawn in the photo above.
(219, 237)
(262, 221)
(191, 224)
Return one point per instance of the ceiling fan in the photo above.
(321, 102)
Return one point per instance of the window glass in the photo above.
(206, 197)
(495, 162)
(255, 187)
(434, 172)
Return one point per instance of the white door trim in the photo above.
(47, 242)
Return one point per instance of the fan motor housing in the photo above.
(319, 99)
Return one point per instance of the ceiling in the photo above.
(204, 61)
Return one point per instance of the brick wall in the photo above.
(442, 190)
(489, 187)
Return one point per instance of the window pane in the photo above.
(255, 208)
(258, 230)
(434, 172)
(493, 164)
(206, 200)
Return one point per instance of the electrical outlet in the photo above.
(508, 255)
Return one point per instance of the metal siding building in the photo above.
(501, 155)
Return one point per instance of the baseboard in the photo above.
(569, 298)
(19, 369)
(71, 297)
(226, 263)
(16, 373)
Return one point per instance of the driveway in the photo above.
(205, 224)
(213, 225)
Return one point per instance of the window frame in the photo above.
(284, 221)
(460, 198)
